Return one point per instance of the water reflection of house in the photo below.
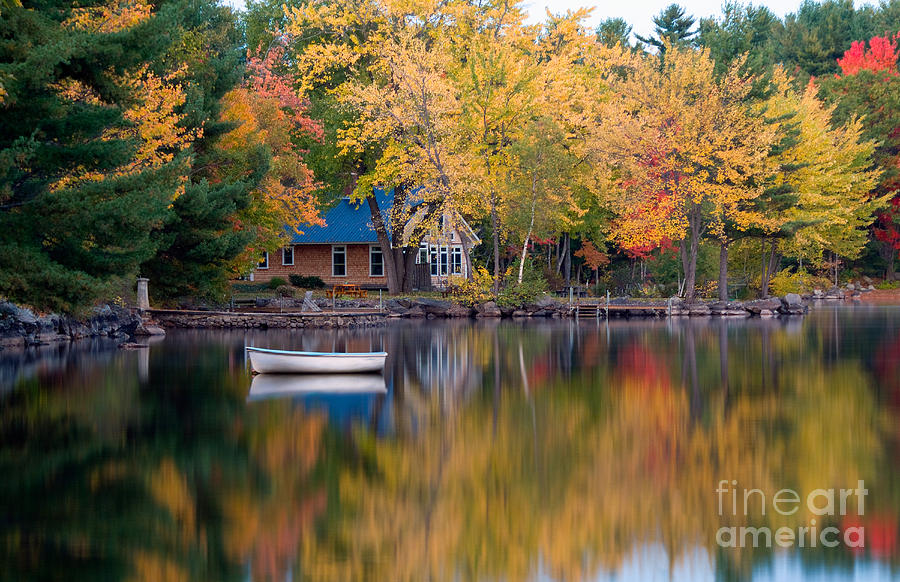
(444, 366)
(346, 250)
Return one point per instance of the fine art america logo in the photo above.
(823, 503)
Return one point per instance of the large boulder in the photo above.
(698, 310)
(834, 293)
(488, 309)
(434, 307)
(547, 303)
(759, 306)
(460, 311)
(792, 304)
(792, 300)
(415, 312)
(728, 309)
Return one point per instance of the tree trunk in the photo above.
(689, 251)
(834, 259)
(530, 226)
(395, 284)
(495, 236)
(522, 260)
(564, 260)
(890, 267)
(409, 263)
(723, 271)
(467, 253)
(770, 263)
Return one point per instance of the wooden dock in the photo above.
(602, 309)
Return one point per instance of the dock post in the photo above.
(143, 298)
(607, 304)
(380, 304)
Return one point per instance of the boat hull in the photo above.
(265, 386)
(266, 361)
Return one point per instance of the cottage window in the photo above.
(456, 261)
(439, 260)
(338, 261)
(422, 257)
(287, 256)
(376, 261)
(263, 261)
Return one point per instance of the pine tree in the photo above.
(613, 31)
(202, 235)
(672, 28)
(90, 156)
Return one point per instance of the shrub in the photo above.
(307, 282)
(800, 282)
(474, 291)
(887, 285)
(285, 291)
(276, 282)
(515, 294)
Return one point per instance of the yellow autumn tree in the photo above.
(817, 200)
(384, 64)
(685, 150)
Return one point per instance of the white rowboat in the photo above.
(279, 385)
(266, 361)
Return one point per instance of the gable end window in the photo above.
(376, 262)
(287, 256)
(338, 261)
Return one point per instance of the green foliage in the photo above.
(613, 31)
(107, 116)
(742, 30)
(672, 28)
(532, 287)
(276, 282)
(306, 282)
(199, 241)
(887, 285)
(812, 39)
(249, 287)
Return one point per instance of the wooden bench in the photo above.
(242, 302)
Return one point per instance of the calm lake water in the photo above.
(499, 451)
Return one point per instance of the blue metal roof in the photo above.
(348, 222)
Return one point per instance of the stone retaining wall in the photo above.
(228, 320)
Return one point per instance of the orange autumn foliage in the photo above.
(269, 114)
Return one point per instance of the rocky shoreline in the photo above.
(791, 304)
(21, 327)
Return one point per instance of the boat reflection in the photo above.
(283, 385)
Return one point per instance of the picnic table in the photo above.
(347, 290)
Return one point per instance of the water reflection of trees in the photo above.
(502, 451)
(579, 444)
(109, 477)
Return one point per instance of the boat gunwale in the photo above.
(317, 354)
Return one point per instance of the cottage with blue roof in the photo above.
(346, 250)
